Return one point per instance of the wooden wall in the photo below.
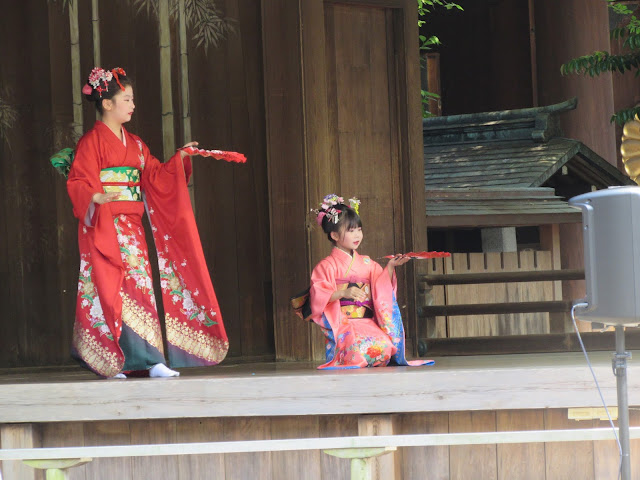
(38, 249)
(586, 460)
(491, 325)
(345, 92)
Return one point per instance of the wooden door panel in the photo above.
(362, 119)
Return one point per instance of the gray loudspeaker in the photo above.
(611, 232)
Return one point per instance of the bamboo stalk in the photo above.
(95, 25)
(168, 133)
(75, 68)
(184, 85)
(184, 73)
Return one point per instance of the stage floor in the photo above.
(527, 381)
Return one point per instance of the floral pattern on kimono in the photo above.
(115, 290)
(352, 339)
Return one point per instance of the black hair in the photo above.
(347, 219)
(107, 94)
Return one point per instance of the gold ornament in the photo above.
(630, 149)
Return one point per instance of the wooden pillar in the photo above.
(19, 435)
(388, 467)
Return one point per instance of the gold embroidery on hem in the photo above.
(195, 342)
(141, 322)
(99, 358)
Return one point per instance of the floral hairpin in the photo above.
(355, 204)
(99, 79)
(327, 208)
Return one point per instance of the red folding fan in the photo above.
(217, 154)
(420, 255)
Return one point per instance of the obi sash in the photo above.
(124, 180)
(354, 309)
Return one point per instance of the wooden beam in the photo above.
(19, 436)
(513, 344)
(494, 308)
(503, 277)
(387, 466)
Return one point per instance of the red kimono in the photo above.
(117, 327)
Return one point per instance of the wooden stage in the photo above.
(70, 407)
(507, 382)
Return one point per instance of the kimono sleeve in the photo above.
(380, 280)
(84, 179)
(323, 285)
(161, 178)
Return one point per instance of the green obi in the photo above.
(124, 180)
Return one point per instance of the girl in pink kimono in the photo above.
(352, 298)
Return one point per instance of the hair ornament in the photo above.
(99, 79)
(354, 203)
(119, 71)
(327, 208)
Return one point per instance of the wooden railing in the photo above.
(427, 281)
(360, 450)
(556, 340)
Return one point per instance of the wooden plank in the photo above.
(256, 466)
(388, 466)
(288, 208)
(214, 183)
(334, 468)
(149, 432)
(322, 161)
(108, 433)
(488, 309)
(246, 100)
(200, 466)
(568, 460)
(416, 461)
(572, 256)
(500, 276)
(364, 128)
(25, 435)
(606, 453)
(290, 465)
(473, 461)
(66, 434)
(412, 157)
(434, 327)
(524, 461)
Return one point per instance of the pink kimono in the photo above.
(358, 334)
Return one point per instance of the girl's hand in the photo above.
(190, 144)
(398, 260)
(354, 293)
(102, 198)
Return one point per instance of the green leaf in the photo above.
(62, 161)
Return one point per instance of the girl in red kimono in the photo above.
(112, 180)
(353, 298)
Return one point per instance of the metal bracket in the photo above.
(619, 363)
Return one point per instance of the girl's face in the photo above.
(348, 240)
(121, 106)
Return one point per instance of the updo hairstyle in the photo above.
(112, 88)
(347, 219)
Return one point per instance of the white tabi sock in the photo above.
(119, 375)
(161, 370)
